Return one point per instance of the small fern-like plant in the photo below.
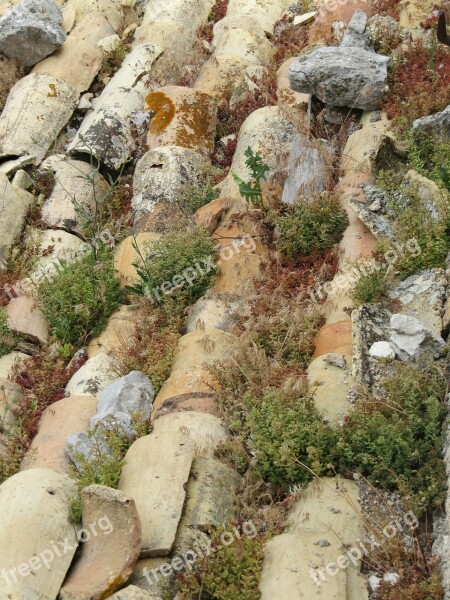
(251, 191)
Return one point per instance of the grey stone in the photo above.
(356, 34)
(373, 195)
(344, 76)
(370, 324)
(308, 170)
(161, 174)
(81, 446)
(337, 360)
(411, 339)
(438, 123)
(422, 296)
(125, 397)
(31, 31)
(376, 223)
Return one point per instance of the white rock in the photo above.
(374, 582)
(411, 339)
(381, 350)
(306, 18)
(110, 43)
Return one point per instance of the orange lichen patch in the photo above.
(195, 115)
(164, 110)
(53, 93)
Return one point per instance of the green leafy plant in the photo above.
(79, 299)
(198, 194)
(251, 191)
(228, 572)
(370, 286)
(289, 438)
(180, 263)
(309, 227)
(7, 339)
(105, 465)
(396, 441)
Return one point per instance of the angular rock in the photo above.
(124, 399)
(112, 549)
(25, 318)
(92, 378)
(381, 350)
(342, 76)
(58, 422)
(308, 168)
(286, 95)
(14, 206)
(411, 339)
(356, 35)
(155, 474)
(181, 117)
(36, 110)
(77, 187)
(370, 324)
(378, 224)
(83, 448)
(160, 176)
(422, 296)
(79, 59)
(35, 520)
(31, 31)
(438, 124)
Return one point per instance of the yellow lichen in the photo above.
(163, 108)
